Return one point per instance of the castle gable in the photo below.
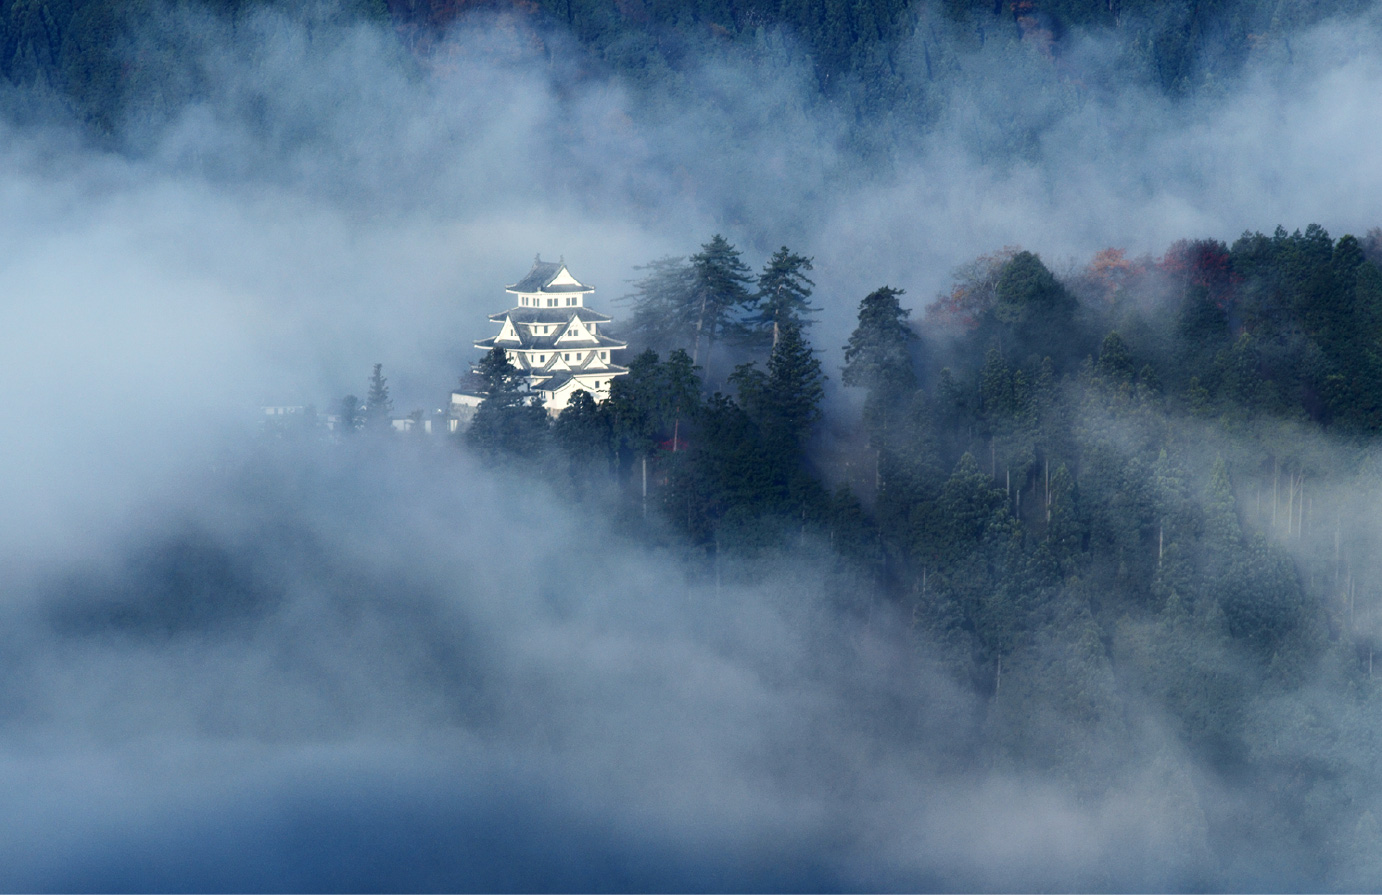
(509, 333)
(548, 277)
(575, 331)
(563, 280)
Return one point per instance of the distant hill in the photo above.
(98, 58)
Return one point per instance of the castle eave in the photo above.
(550, 315)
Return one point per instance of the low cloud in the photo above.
(405, 671)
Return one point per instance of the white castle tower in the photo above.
(553, 339)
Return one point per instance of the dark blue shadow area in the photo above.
(371, 835)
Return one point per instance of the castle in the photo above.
(553, 339)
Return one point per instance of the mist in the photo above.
(235, 664)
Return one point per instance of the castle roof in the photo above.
(528, 342)
(550, 315)
(547, 276)
(559, 379)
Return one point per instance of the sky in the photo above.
(419, 674)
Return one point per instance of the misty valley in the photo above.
(947, 455)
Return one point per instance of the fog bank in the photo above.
(236, 666)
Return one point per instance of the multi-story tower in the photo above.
(554, 339)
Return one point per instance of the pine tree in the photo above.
(378, 406)
(784, 293)
(786, 400)
(721, 287)
(584, 433)
(795, 387)
(1035, 313)
(633, 400)
(583, 430)
(665, 305)
(651, 401)
(1223, 535)
(877, 359)
(726, 478)
(680, 388)
(501, 382)
(507, 422)
(1115, 365)
(1064, 528)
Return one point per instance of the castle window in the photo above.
(604, 355)
(566, 356)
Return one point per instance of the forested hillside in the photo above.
(101, 59)
(1149, 482)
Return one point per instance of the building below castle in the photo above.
(553, 339)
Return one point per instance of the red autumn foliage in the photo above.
(1204, 263)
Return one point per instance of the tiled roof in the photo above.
(557, 380)
(549, 343)
(539, 279)
(550, 315)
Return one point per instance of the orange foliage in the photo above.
(1110, 270)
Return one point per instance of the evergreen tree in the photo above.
(1064, 528)
(785, 401)
(633, 404)
(378, 410)
(784, 293)
(726, 479)
(584, 434)
(721, 288)
(508, 421)
(877, 360)
(680, 390)
(650, 403)
(665, 306)
(1223, 534)
(1115, 365)
(1034, 312)
(968, 510)
(352, 417)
